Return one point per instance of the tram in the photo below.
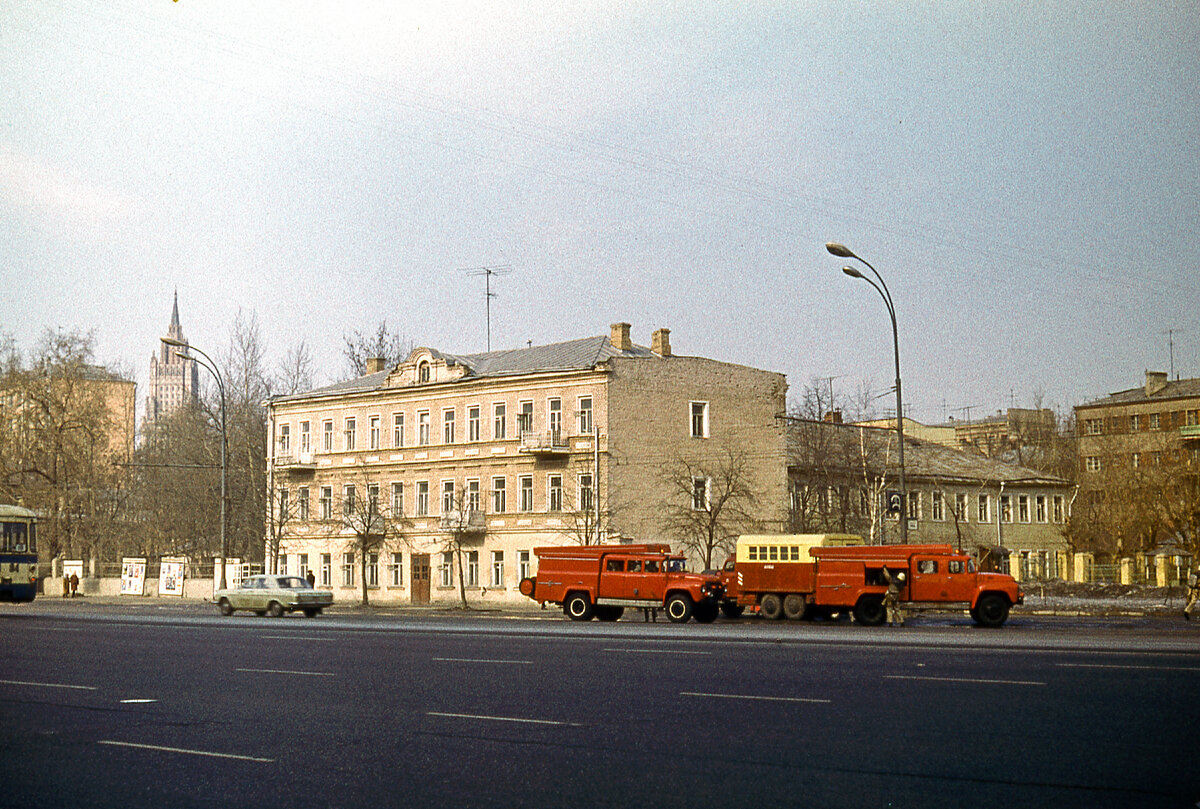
(18, 554)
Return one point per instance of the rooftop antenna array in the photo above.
(487, 273)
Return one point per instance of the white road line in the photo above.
(503, 719)
(296, 637)
(284, 671)
(479, 660)
(50, 685)
(753, 696)
(961, 680)
(1116, 666)
(185, 751)
(137, 701)
(658, 652)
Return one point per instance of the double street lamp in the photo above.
(211, 367)
(842, 251)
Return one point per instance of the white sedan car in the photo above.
(273, 595)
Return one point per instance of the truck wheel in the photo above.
(794, 606)
(706, 612)
(869, 611)
(991, 610)
(679, 608)
(770, 607)
(731, 610)
(578, 607)
(609, 613)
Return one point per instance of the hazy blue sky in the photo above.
(1026, 177)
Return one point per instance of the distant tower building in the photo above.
(174, 381)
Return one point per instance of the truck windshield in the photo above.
(676, 565)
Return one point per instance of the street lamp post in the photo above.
(841, 251)
(212, 369)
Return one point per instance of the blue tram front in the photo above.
(18, 554)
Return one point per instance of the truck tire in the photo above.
(706, 611)
(732, 610)
(578, 607)
(770, 607)
(869, 611)
(679, 607)
(794, 606)
(991, 610)
(606, 612)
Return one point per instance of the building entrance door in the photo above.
(420, 578)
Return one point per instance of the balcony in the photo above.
(1189, 432)
(550, 442)
(298, 463)
(471, 522)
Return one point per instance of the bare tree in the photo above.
(361, 347)
(710, 501)
(369, 522)
(295, 372)
(462, 524)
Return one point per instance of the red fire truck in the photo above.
(803, 576)
(602, 580)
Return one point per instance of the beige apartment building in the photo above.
(494, 454)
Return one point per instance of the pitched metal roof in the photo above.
(1174, 389)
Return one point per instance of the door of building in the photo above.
(420, 578)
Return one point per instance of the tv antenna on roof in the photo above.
(487, 273)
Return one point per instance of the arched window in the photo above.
(423, 372)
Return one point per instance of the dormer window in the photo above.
(423, 372)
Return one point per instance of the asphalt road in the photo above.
(152, 707)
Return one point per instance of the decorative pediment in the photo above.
(426, 366)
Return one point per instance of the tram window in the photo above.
(752, 553)
(774, 552)
(795, 553)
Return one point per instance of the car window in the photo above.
(293, 583)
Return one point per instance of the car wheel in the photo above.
(794, 606)
(578, 607)
(869, 611)
(771, 607)
(275, 609)
(679, 608)
(991, 610)
(225, 607)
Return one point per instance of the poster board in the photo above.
(73, 566)
(133, 576)
(170, 575)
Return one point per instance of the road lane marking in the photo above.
(137, 701)
(295, 637)
(658, 652)
(504, 719)
(185, 751)
(285, 671)
(754, 696)
(50, 685)
(479, 660)
(960, 680)
(1117, 666)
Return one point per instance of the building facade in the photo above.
(174, 380)
(465, 463)
(844, 477)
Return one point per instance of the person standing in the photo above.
(1193, 594)
(74, 584)
(891, 599)
(311, 579)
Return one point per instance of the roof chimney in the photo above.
(619, 336)
(1155, 382)
(833, 417)
(376, 364)
(660, 342)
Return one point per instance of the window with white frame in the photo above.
(448, 497)
(446, 570)
(473, 504)
(1093, 426)
(525, 485)
(423, 428)
(448, 426)
(397, 430)
(960, 507)
(284, 513)
(585, 415)
(499, 495)
(348, 569)
(522, 564)
(1135, 422)
(326, 570)
(373, 432)
(302, 503)
(472, 569)
(326, 502)
(699, 494)
(1059, 508)
(985, 508)
(699, 419)
(349, 499)
(524, 417)
(1039, 507)
(327, 440)
(349, 434)
(281, 564)
(914, 505)
(302, 567)
(473, 423)
(1155, 421)
(396, 570)
(554, 492)
(305, 436)
(1092, 463)
(554, 417)
(373, 498)
(1023, 507)
(422, 498)
(397, 498)
(373, 570)
(285, 439)
(497, 569)
(1135, 460)
(499, 421)
(937, 507)
(1006, 514)
(585, 492)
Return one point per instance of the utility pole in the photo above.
(487, 273)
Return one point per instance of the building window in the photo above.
(585, 415)
(525, 484)
(396, 570)
(1093, 426)
(473, 497)
(302, 503)
(960, 507)
(305, 436)
(349, 434)
(422, 498)
(937, 506)
(1135, 422)
(1059, 508)
(473, 423)
(985, 508)
(327, 441)
(472, 568)
(1006, 508)
(499, 421)
(585, 492)
(283, 505)
(499, 500)
(1155, 459)
(373, 498)
(372, 570)
(699, 494)
(1039, 505)
(423, 372)
(348, 569)
(1092, 463)
(326, 570)
(281, 564)
(326, 502)
(446, 570)
(423, 428)
(914, 505)
(699, 419)
(348, 499)
(523, 564)
(285, 439)
(554, 492)
(398, 499)
(497, 569)
(448, 497)
(524, 418)
(1023, 507)
(554, 417)
(373, 432)
(1155, 421)
(397, 430)
(447, 426)
(1135, 460)
(302, 569)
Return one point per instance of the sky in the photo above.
(1025, 177)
